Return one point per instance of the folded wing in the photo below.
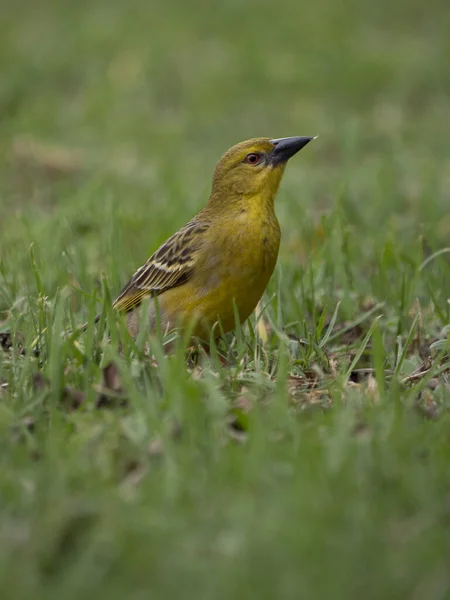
(170, 266)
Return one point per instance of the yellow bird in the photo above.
(222, 258)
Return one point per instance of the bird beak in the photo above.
(285, 148)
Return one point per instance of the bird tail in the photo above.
(83, 327)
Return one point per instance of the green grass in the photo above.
(313, 465)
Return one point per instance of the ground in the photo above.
(311, 461)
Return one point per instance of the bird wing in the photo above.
(170, 266)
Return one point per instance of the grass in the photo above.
(315, 463)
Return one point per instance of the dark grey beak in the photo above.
(285, 148)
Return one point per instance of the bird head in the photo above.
(254, 167)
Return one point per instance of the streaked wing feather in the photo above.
(170, 266)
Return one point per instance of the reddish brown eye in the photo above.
(253, 158)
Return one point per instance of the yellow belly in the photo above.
(185, 306)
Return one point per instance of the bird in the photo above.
(219, 264)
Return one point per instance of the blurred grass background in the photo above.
(112, 118)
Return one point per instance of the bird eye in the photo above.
(253, 158)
